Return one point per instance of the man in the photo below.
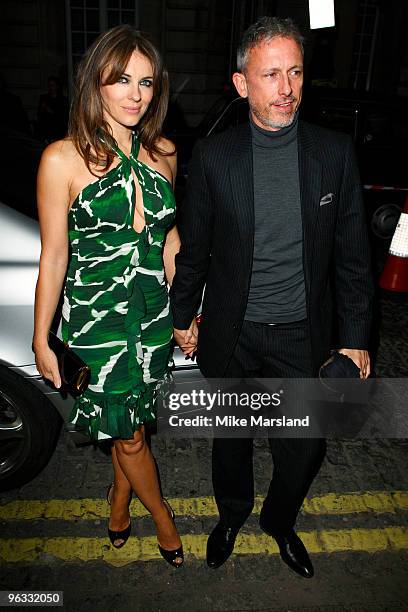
(273, 215)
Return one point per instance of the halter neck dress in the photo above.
(116, 313)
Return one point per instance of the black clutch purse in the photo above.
(75, 374)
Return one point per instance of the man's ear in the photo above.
(239, 80)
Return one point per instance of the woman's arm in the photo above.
(53, 203)
(172, 242)
(188, 339)
(171, 248)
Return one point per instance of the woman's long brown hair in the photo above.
(109, 56)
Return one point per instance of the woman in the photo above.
(108, 192)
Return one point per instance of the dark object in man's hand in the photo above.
(339, 366)
(340, 375)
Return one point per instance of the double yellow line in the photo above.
(377, 502)
(14, 550)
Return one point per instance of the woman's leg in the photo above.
(136, 462)
(119, 496)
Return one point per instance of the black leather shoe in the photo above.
(220, 545)
(292, 551)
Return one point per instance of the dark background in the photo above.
(356, 81)
(367, 49)
(366, 53)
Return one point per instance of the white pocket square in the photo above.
(329, 197)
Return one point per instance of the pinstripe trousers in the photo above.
(267, 351)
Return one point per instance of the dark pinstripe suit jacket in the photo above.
(216, 227)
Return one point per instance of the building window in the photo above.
(86, 19)
(121, 11)
(85, 25)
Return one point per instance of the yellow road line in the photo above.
(378, 502)
(145, 549)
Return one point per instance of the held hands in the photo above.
(47, 364)
(361, 359)
(187, 338)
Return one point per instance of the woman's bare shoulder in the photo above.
(61, 153)
(166, 145)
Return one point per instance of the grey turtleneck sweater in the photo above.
(277, 290)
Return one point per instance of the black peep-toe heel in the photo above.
(171, 556)
(118, 535)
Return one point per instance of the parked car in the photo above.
(31, 409)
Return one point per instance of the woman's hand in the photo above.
(47, 365)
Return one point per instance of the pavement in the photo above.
(354, 523)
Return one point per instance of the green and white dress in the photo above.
(116, 313)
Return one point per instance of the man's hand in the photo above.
(187, 338)
(361, 359)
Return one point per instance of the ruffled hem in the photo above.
(117, 415)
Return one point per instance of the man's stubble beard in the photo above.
(270, 123)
